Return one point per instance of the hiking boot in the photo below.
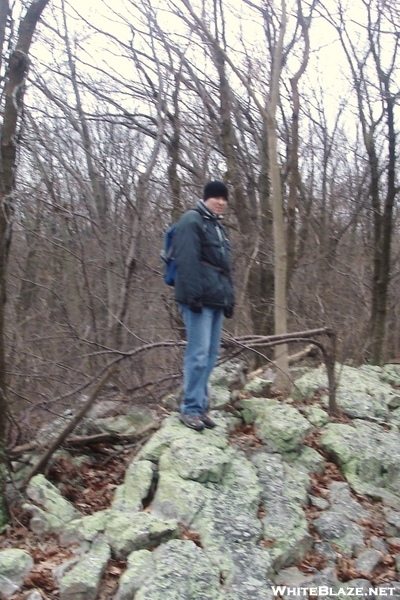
(192, 421)
(207, 422)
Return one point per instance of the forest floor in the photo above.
(90, 487)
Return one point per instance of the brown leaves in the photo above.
(245, 437)
(186, 534)
(109, 582)
(41, 577)
(394, 546)
(312, 562)
(91, 486)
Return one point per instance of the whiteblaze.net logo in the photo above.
(323, 590)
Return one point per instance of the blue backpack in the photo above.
(168, 265)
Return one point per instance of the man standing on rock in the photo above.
(204, 292)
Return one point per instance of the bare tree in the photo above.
(374, 73)
(12, 92)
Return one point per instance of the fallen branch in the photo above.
(294, 358)
(252, 342)
(113, 438)
(233, 347)
(43, 460)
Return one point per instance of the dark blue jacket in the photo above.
(202, 255)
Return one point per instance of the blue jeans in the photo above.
(203, 332)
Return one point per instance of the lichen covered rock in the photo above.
(136, 486)
(181, 570)
(362, 393)
(15, 564)
(284, 493)
(140, 568)
(336, 528)
(127, 532)
(369, 457)
(56, 511)
(86, 528)
(82, 582)
(280, 426)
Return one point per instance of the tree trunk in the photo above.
(382, 250)
(294, 173)
(13, 91)
(283, 381)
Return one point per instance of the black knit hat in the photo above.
(215, 189)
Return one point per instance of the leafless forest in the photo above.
(128, 111)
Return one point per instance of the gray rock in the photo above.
(137, 418)
(367, 561)
(342, 501)
(177, 498)
(325, 549)
(218, 397)
(280, 426)
(292, 576)
(136, 486)
(185, 465)
(197, 461)
(220, 503)
(230, 375)
(378, 544)
(391, 374)
(41, 522)
(336, 528)
(212, 488)
(126, 532)
(35, 595)
(361, 393)
(43, 492)
(368, 456)
(310, 459)
(249, 577)
(259, 387)
(182, 570)
(171, 401)
(394, 402)
(394, 417)
(103, 409)
(15, 564)
(316, 415)
(284, 493)
(140, 568)
(395, 592)
(228, 516)
(172, 430)
(82, 582)
(85, 529)
(326, 577)
(251, 408)
(319, 502)
(392, 526)
(52, 430)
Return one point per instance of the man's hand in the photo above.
(228, 312)
(196, 306)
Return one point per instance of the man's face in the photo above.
(216, 205)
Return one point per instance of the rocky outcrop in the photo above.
(82, 580)
(15, 564)
(200, 517)
(363, 393)
(369, 457)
